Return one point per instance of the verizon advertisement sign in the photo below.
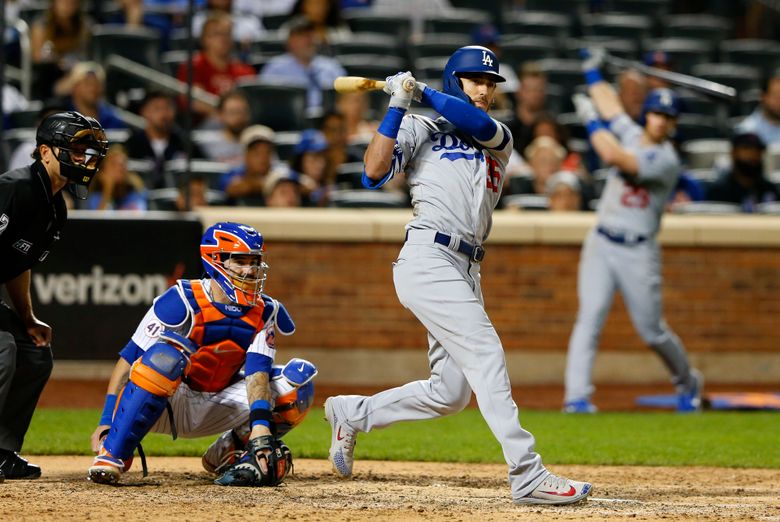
(103, 275)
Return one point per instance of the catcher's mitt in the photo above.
(248, 472)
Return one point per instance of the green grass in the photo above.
(655, 439)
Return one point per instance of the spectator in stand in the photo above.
(136, 13)
(530, 101)
(334, 128)
(198, 193)
(160, 141)
(325, 15)
(58, 39)
(214, 68)
(744, 183)
(263, 8)
(659, 60)
(245, 29)
(545, 157)
(765, 119)
(564, 192)
(282, 189)
(487, 35)
(245, 184)
(687, 189)
(355, 108)
(309, 161)
(115, 187)
(83, 91)
(301, 65)
(547, 125)
(234, 116)
(632, 91)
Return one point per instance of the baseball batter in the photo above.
(621, 252)
(186, 357)
(455, 166)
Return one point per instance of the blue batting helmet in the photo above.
(664, 101)
(241, 281)
(472, 59)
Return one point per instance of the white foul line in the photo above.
(595, 499)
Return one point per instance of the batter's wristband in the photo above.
(593, 76)
(107, 417)
(260, 413)
(593, 126)
(391, 122)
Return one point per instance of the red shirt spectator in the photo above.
(212, 78)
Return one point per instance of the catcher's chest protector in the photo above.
(223, 338)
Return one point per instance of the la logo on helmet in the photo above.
(486, 59)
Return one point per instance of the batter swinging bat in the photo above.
(701, 85)
(358, 83)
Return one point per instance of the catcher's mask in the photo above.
(233, 255)
(79, 144)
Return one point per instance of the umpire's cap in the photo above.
(472, 59)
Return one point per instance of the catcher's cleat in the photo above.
(689, 400)
(557, 490)
(342, 439)
(106, 469)
(223, 452)
(579, 406)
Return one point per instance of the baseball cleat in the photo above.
(106, 469)
(557, 490)
(14, 467)
(579, 406)
(690, 400)
(342, 440)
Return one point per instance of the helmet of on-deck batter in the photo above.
(242, 282)
(473, 59)
(664, 101)
(75, 135)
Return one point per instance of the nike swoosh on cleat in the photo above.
(338, 435)
(569, 493)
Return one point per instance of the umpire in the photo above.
(69, 149)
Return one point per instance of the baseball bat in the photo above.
(693, 83)
(358, 83)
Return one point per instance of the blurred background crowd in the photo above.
(263, 126)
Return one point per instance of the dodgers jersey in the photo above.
(455, 181)
(635, 204)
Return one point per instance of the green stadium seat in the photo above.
(516, 50)
(617, 25)
(367, 43)
(280, 106)
(363, 20)
(457, 21)
(140, 44)
(762, 54)
(698, 26)
(541, 23)
(372, 65)
(621, 47)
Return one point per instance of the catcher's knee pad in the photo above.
(153, 378)
(292, 387)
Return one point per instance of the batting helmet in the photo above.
(81, 144)
(472, 59)
(663, 101)
(242, 282)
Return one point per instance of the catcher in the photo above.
(186, 357)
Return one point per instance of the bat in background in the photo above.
(358, 83)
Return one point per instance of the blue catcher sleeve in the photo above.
(471, 120)
(131, 352)
(275, 312)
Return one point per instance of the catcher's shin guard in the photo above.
(153, 378)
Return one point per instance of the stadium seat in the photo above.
(683, 52)
(140, 44)
(693, 103)
(367, 43)
(772, 157)
(762, 54)
(652, 8)
(165, 199)
(427, 68)
(286, 142)
(366, 20)
(617, 25)
(271, 45)
(274, 22)
(539, 23)
(372, 65)
(747, 101)
(286, 112)
(526, 202)
(27, 118)
(455, 21)
(621, 47)
(699, 26)
(368, 199)
(179, 40)
(349, 176)
(698, 127)
(772, 208)
(573, 124)
(569, 7)
(438, 45)
(566, 73)
(706, 153)
(519, 184)
(517, 50)
(707, 207)
(212, 171)
(171, 60)
(741, 77)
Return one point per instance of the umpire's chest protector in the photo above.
(223, 337)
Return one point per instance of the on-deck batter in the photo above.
(621, 252)
(455, 166)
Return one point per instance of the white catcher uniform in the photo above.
(455, 185)
(621, 253)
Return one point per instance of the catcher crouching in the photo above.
(181, 373)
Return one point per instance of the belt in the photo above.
(621, 237)
(475, 253)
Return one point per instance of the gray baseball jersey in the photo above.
(455, 185)
(635, 205)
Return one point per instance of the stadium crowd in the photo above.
(267, 129)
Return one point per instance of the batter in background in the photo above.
(621, 252)
(455, 167)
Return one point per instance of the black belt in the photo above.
(619, 237)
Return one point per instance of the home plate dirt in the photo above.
(177, 489)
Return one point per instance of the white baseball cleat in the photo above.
(342, 439)
(557, 490)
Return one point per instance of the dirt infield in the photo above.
(178, 489)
